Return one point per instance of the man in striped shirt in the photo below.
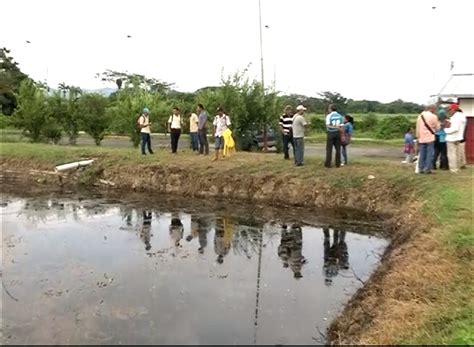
(286, 122)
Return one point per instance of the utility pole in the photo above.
(265, 142)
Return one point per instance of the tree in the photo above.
(122, 79)
(30, 115)
(334, 98)
(95, 120)
(70, 118)
(55, 112)
(10, 81)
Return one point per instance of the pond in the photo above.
(94, 270)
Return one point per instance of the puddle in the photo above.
(95, 271)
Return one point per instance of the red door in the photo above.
(470, 140)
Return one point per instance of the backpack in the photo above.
(137, 123)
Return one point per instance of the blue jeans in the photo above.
(299, 150)
(344, 153)
(194, 141)
(146, 142)
(425, 157)
(287, 140)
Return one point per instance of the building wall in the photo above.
(467, 106)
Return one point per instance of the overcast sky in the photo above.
(365, 49)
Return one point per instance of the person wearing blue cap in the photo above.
(145, 131)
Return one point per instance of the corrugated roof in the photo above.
(459, 86)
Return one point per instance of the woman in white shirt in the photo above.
(174, 127)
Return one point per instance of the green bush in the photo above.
(317, 123)
(5, 121)
(52, 131)
(95, 119)
(30, 115)
(369, 122)
(392, 127)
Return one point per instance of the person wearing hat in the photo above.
(455, 137)
(299, 123)
(145, 131)
(334, 125)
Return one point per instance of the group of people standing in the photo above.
(198, 129)
(440, 135)
(339, 132)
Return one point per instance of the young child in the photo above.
(409, 148)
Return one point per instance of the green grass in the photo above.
(450, 205)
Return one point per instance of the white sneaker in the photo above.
(404, 162)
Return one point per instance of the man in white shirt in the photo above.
(174, 127)
(221, 123)
(145, 131)
(454, 136)
(298, 127)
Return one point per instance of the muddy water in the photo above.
(89, 270)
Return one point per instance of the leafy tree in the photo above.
(123, 79)
(95, 120)
(10, 81)
(392, 127)
(30, 115)
(334, 98)
(72, 118)
(55, 112)
(369, 122)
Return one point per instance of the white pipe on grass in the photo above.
(74, 165)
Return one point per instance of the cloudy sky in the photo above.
(365, 49)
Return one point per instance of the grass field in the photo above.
(428, 294)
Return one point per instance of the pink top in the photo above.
(422, 133)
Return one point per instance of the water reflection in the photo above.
(199, 228)
(223, 238)
(235, 279)
(145, 233)
(176, 229)
(290, 249)
(336, 256)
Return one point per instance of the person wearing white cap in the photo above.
(299, 123)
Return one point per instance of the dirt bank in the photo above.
(374, 313)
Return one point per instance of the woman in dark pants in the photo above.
(174, 127)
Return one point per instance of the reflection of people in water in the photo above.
(176, 229)
(145, 233)
(336, 256)
(290, 249)
(222, 238)
(199, 228)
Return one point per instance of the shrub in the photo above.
(392, 127)
(95, 119)
(317, 123)
(30, 115)
(368, 123)
(5, 121)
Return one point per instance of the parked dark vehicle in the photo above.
(253, 140)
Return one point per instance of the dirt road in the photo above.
(311, 149)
